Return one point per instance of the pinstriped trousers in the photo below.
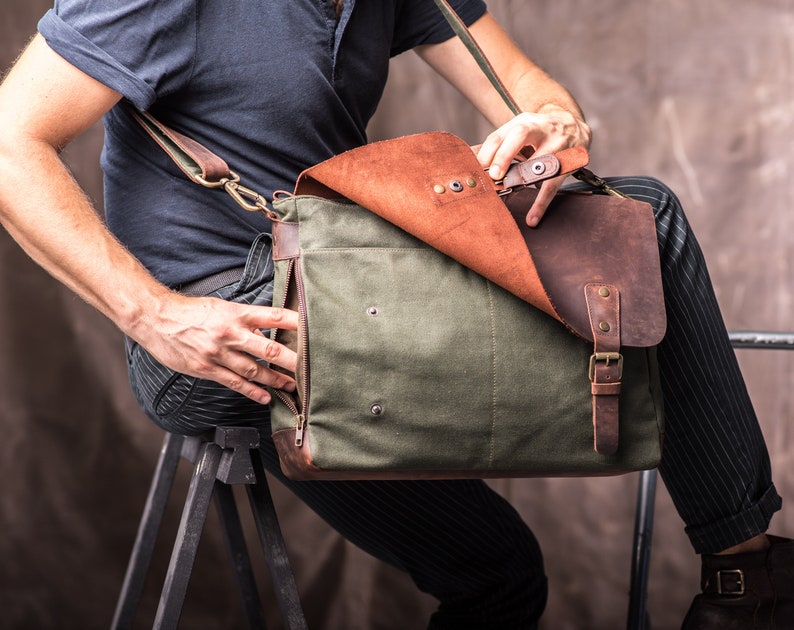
(462, 542)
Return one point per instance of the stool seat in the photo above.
(222, 458)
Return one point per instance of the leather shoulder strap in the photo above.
(201, 165)
(459, 26)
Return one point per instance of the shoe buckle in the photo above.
(734, 584)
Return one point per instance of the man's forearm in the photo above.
(46, 212)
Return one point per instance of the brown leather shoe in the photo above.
(746, 591)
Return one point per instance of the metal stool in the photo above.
(220, 460)
(646, 494)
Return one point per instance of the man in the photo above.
(275, 87)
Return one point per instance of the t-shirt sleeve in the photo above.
(421, 22)
(143, 49)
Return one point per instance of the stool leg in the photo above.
(275, 552)
(142, 550)
(184, 554)
(238, 552)
(641, 555)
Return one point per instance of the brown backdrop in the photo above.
(698, 94)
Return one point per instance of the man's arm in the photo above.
(551, 119)
(44, 103)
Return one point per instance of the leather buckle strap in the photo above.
(728, 582)
(540, 168)
(606, 364)
(732, 583)
(606, 357)
(529, 172)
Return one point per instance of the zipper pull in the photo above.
(299, 431)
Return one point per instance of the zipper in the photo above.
(303, 342)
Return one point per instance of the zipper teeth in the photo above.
(288, 402)
(286, 398)
(293, 270)
(304, 337)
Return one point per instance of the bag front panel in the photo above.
(418, 363)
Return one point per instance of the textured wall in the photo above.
(698, 94)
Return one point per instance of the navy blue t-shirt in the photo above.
(271, 86)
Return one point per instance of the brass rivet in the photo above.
(471, 182)
(603, 292)
(439, 189)
(604, 326)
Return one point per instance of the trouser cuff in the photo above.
(714, 537)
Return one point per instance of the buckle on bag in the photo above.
(606, 357)
(735, 585)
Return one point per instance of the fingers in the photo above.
(223, 341)
(501, 146)
(546, 193)
(249, 356)
(243, 373)
(553, 130)
(272, 317)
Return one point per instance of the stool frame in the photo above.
(227, 457)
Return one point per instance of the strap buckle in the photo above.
(735, 585)
(606, 357)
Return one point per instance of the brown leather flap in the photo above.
(432, 186)
(591, 238)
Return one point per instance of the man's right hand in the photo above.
(221, 341)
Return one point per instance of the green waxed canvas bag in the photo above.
(414, 366)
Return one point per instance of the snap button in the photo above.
(538, 168)
(603, 292)
(604, 326)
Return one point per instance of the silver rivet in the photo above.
(455, 186)
(372, 311)
(604, 326)
(439, 189)
(538, 168)
(376, 409)
(603, 292)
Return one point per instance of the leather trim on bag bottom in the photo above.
(297, 465)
